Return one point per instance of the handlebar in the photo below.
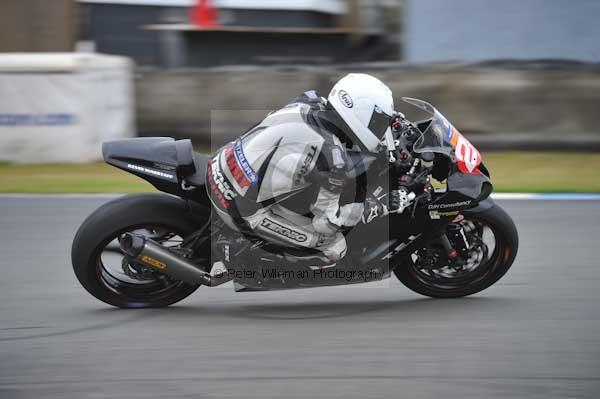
(411, 169)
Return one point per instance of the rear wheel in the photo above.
(103, 270)
(490, 245)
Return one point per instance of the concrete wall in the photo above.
(513, 105)
(472, 30)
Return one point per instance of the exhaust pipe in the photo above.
(154, 255)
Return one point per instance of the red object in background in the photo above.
(204, 14)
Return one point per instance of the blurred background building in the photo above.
(37, 25)
(513, 74)
(409, 30)
(191, 33)
(479, 30)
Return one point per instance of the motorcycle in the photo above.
(152, 250)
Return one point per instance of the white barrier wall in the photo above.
(61, 107)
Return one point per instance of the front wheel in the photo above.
(105, 273)
(491, 244)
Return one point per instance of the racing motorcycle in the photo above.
(152, 250)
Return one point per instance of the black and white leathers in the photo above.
(289, 151)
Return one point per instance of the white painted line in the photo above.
(546, 197)
(512, 196)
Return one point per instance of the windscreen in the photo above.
(443, 138)
(438, 135)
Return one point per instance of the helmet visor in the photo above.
(380, 122)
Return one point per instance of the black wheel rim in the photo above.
(135, 288)
(486, 255)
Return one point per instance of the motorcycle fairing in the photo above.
(167, 164)
(367, 259)
(468, 182)
(463, 191)
(440, 136)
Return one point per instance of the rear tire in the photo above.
(502, 258)
(125, 214)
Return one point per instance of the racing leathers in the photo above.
(289, 151)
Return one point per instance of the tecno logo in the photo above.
(346, 99)
(284, 231)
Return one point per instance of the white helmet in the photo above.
(366, 105)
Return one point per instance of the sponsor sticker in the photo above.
(435, 207)
(243, 162)
(449, 130)
(434, 215)
(304, 168)
(235, 169)
(150, 171)
(452, 134)
(219, 186)
(284, 231)
(154, 262)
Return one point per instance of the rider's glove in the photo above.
(375, 207)
(395, 202)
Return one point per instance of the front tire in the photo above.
(158, 216)
(497, 260)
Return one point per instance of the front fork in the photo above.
(454, 242)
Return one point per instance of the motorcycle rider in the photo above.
(302, 145)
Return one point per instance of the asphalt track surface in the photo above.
(536, 334)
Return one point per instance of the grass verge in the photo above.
(543, 172)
